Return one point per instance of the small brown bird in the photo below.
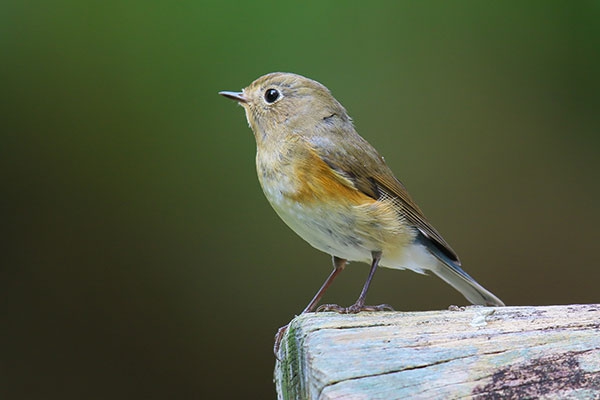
(333, 189)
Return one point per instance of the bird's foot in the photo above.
(354, 308)
(278, 337)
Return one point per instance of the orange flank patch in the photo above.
(317, 182)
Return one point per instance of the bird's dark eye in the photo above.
(271, 95)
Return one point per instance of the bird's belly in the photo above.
(346, 231)
(330, 231)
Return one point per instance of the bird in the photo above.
(332, 188)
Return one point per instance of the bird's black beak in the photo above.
(237, 96)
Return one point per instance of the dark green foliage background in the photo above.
(141, 259)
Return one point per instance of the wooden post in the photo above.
(550, 352)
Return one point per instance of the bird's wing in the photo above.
(374, 178)
(394, 188)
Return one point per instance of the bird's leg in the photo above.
(338, 266)
(359, 305)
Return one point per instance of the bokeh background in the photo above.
(140, 257)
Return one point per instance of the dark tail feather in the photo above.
(450, 271)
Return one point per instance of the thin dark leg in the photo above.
(360, 302)
(338, 266)
(359, 305)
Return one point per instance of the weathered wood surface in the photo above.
(550, 352)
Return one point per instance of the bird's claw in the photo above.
(278, 338)
(354, 308)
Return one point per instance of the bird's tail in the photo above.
(450, 271)
(461, 281)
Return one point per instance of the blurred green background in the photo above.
(141, 259)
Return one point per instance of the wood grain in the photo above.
(550, 352)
